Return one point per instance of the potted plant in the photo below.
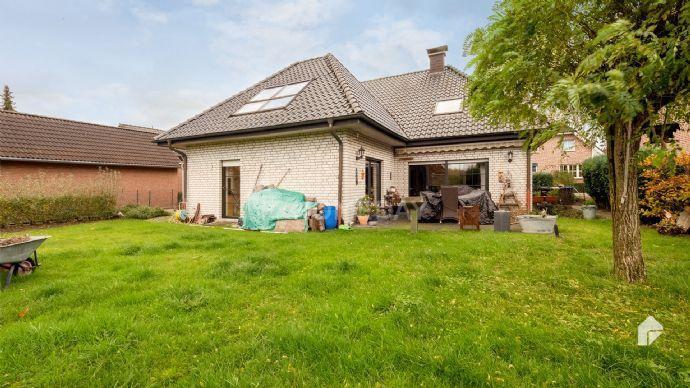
(589, 210)
(365, 207)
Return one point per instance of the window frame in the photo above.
(459, 99)
(274, 97)
(569, 141)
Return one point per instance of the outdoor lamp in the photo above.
(360, 153)
(510, 156)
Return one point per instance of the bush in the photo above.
(666, 190)
(563, 178)
(541, 179)
(143, 212)
(595, 172)
(44, 199)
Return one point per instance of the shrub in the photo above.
(143, 212)
(40, 198)
(666, 190)
(563, 178)
(541, 179)
(565, 211)
(595, 172)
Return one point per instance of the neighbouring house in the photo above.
(317, 129)
(565, 152)
(32, 144)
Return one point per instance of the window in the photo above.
(535, 167)
(272, 98)
(573, 169)
(430, 177)
(448, 106)
(568, 145)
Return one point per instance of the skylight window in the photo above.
(272, 98)
(448, 106)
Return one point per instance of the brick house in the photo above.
(565, 152)
(336, 138)
(32, 144)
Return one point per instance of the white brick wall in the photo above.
(313, 163)
(312, 160)
(354, 188)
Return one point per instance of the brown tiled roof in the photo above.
(411, 99)
(332, 92)
(403, 105)
(32, 137)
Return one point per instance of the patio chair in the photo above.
(469, 215)
(449, 202)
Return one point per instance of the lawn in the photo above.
(145, 303)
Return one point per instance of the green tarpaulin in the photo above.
(265, 207)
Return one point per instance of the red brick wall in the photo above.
(162, 183)
(550, 156)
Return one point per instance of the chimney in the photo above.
(437, 58)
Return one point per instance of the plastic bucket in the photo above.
(330, 214)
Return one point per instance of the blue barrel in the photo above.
(330, 214)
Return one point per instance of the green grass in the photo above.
(141, 303)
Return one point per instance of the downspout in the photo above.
(340, 171)
(183, 157)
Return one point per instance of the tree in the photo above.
(7, 99)
(616, 67)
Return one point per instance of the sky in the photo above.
(158, 63)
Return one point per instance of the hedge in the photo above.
(541, 179)
(595, 172)
(143, 212)
(43, 198)
(66, 208)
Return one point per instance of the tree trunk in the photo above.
(627, 245)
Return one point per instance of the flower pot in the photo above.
(537, 224)
(363, 219)
(589, 212)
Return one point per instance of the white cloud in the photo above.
(149, 15)
(391, 47)
(268, 36)
(204, 3)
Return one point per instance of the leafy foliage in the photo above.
(143, 212)
(595, 173)
(563, 178)
(541, 179)
(599, 63)
(7, 99)
(666, 191)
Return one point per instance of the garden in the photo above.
(133, 302)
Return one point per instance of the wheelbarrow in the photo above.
(13, 255)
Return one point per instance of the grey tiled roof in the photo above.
(403, 104)
(411, 99)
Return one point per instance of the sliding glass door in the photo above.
(430, 177)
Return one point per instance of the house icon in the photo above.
(648, 331)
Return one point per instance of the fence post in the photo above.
(172, 200)
(149, 197)
(137, 197)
